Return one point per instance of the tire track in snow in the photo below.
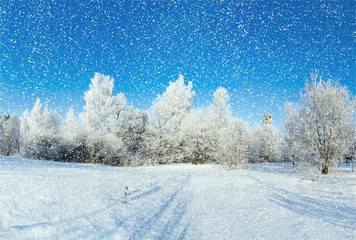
(164, 222)
(307, 205)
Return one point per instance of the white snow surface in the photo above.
(51, 200)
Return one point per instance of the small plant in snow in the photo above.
(114, 194)
(126, 193)
(313, 172)
(339, 177)
(197, 159)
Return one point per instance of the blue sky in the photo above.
(261, 51)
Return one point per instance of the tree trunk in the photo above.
(325, 169)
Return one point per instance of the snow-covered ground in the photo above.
(49, 200)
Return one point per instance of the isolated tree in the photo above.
(325, 123)
(9, 135)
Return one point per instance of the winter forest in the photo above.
(184, 119)
(319, 131)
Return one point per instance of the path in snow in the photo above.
(48, 200)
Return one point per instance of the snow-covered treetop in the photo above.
(267, 119)
(101, 105)
(40, 122)
(177, 96)
(174, 103)
(220, 109)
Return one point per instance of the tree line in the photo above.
(320, 130)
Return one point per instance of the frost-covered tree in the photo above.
(291, 139)
(155, 144)
(235, 141)
(129, 124)
(98, 119)
(70, 129)
(130, 127)
(353, 148)
(135, 127)
(220, 108)
(266, 143)
(325, 123)
(197, 143)
(73, 147)
(9, 135)
(39, 133)
(164, 138)
(353, 153)
(99, 105)
(218, 117)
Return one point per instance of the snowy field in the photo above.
(50, 200)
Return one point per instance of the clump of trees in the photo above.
(39, 135)
(320, 130)
(165, 139)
